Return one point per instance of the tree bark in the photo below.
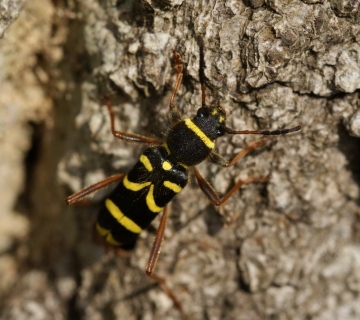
(291, 251)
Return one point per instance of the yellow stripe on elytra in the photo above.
(134, 186)
(146, 162)
(121, 218)
(172, 186)
(166, 165)
(107, 235)
(194, 128)
(150, 201)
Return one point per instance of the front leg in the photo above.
(127, 136)
(218, 159)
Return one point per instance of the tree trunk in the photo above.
(291, 251)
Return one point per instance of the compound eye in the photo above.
(202, 112)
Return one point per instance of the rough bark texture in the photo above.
(293, 249)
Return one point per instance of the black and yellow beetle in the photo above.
(163, 170)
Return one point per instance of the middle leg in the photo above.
(83, 193)
(209, 191)
(213, 196)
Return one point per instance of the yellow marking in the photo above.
(121, 218)
(166, 165)
(134, 186)
(146, 162)
(150, 201)
(107, 235)
(214, 112)
(183, 165)
(110, 239)
(221, 119)
(103, 232)
(193, 127)
(172, 186)
(166, 148)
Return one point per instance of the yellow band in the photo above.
(194, 128)
(134, 186)
(172, 186)
(146, 162)
(107, 235)
(121, 218)
(150, 201)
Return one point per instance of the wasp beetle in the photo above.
(162, 171)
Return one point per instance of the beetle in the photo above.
(162, 171)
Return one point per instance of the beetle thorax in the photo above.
(191, 140)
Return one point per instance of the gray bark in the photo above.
(292, 251)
